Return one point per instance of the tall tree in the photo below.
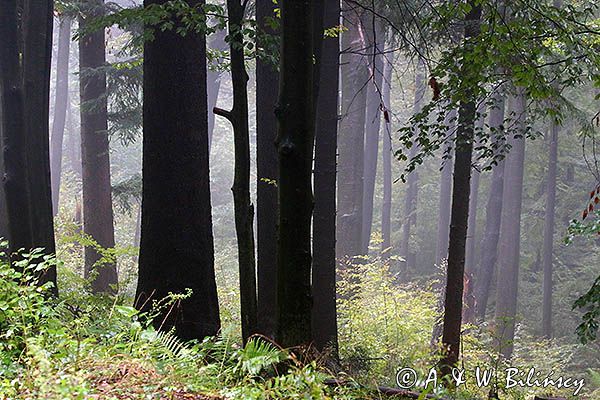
(376, 38)
(510, 231)
(97, 199)
(243, 207)
(451, 335)
(489, 241)
(213, 81)
(386, 151)
(354, 76)
(267, 84)
(176, 249)
(412, 180)
(324, 320)
(295, 142)
(61, 101)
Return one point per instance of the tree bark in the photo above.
(267, 84)
(510, 234)
(176, 249)
(386, 206)
(412, 180)
(324, 320)
(374, 100)
(60, 107)
(243, 207)
(354, 76)
(489, 242)
(451, 335)
(295, 142)
(97, 198)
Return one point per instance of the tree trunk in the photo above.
(15, 181)
(295, 113)
(510, 235)
(60, 107)
(451, 335)
(213, 83)
(412, 180)
(354, 76)
(243, 207)
(267, 84)
(443, 229)
(324, 320)
(549, 231)
(37, 23)
(176, 250)
(97, 198)
(386, 206)
(376, 36)
(489, 242)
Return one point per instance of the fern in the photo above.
(257, 356)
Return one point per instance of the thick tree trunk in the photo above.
(510, 235)
(176, 250)
(354, 75)
(267, 84)
(412, 180)
(97, 198)
(443, 229)
(295, 142)
(549, 231)
(37, 23)
(489, 242)
(386, 151)
(375, 33)
(451, 335)
(213, 83)
(324, 320)
(243, 207)
(15, 181)
(60, 107)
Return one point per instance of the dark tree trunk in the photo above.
(549, 231)
(451, 334)
(443, 229)
(510, 235)
(213, 83)
(60, 107)
(37, 52)
(15, 181)
(412, 180)
(243, 207)
(295, 142)
(176, 250)
(354, 77)
(386, 151)
(375, 33)
(97, 198)
(489, 242)
(267, 83)
(324, 320)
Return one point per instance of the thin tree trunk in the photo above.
(412, 180)
(386, 206)
(243, 207)
(354, 76)
(97, 198)
(451, 336)
(443, 229)
(267, 84)
(295, 142)
(510, 234)
(60, 106)
(489, 242)
(37, 23)
(375, 33)
(324, 320)
(176, 250)
(213, 83)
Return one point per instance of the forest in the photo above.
(295, 199)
